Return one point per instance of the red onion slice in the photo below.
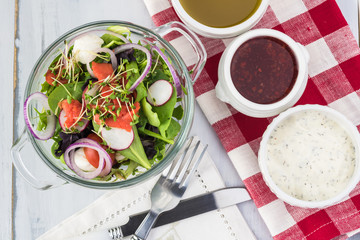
(41, 102)
(113, 60)
(105, 162)
(108, 162)
(90, 71)
(172, 70)
(127, 46)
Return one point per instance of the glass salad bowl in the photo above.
(22, 157)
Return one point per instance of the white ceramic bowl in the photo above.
(226, 91)
(226, 32)
(338, 118)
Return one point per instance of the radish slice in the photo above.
(105, 162)
(117, 138)
(127, 46)
(69, 45)
(39, 101)
(172, 71)
(80, 127)
(159, 92)
(84, 48)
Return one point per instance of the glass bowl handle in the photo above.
(19, 159)
(194, 41)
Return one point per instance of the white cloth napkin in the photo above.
(114, 207)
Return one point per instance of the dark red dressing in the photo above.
(264, 70)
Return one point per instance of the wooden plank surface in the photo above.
(39, 23)
(7, 30)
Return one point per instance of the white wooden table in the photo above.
(26, 28)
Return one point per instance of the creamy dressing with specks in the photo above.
(310, 156)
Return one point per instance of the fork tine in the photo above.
(186, 163)
(191, 168)
(176, 164)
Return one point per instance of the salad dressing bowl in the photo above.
(20, 155)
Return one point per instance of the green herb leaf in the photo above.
(68, 98)
(47, 88)
(132, 73)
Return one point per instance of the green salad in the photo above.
(110, 105)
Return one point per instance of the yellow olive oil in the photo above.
(220, 13)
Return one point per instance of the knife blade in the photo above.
(191, 207)
(185, 209)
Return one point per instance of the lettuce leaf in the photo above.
(111, 41)
(136, 151)
(150, 115)
(119, 29)
(165, 113)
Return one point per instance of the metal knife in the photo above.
(187, 208)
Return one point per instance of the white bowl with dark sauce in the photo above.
(309, 156)
(262, 73)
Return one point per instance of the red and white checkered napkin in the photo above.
(334, 80)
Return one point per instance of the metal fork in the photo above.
(170, 187)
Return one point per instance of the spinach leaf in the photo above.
(178, 112)
(85, 77)
(136, 151)
(62, 92)
(165, 113)
(140, 92)
(156, 75)
(173, 129)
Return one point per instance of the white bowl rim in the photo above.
(225, 31)
(337, 117)
(300, 61)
